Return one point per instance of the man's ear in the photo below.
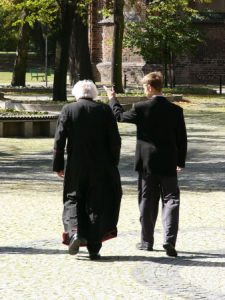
(149, 87)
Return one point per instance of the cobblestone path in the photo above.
(35, 265)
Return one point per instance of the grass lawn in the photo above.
(6, 77)
(210, 103)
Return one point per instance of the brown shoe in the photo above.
(145, 247)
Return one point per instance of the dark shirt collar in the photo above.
(85, 98)
(157, 98)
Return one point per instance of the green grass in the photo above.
(179, 89)
(191, 89)
(6, 78)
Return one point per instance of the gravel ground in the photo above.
(35, 265)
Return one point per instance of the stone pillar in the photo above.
(1, 129)
(28, 129)
(52, 127)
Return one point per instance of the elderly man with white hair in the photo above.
(92, 187)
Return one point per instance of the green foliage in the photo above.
(106, 13)
(13, 13)
(168, 26)
(9, 112)
(8, 33)
(82, 8)
(43, 11)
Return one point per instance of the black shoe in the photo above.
(74, 245)
(170, 250)
(94, 256)
(141, 246)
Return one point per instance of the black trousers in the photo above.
(150, 189)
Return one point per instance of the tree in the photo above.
(168, 29)
(80, 61)
(8, 34)
(116, 76)
(46, 12)
(19, 72)
(20, 64)
(68, 10)
(29, 12)
(66, 14)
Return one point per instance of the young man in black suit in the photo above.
(160, 153)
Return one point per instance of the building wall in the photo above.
(132, 64)
(208, 63)
(215, 5)
(205, 66)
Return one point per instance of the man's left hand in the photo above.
(110, 92)
(60, 174)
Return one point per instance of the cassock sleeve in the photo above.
(181, 137)
(60, 141)
(129, 116)
(113, 138)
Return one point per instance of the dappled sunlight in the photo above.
(30, 160)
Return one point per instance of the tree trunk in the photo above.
(165, 67)
(80, 61)
(165, 64)
(38, 39)
(171, 70)
(116, 77)
(20, 64)
(62, 51)
(174, 69)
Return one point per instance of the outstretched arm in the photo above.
(59, 144)
(121, 115)
(181, 136)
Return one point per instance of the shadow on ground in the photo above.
(204, 171)
(184, 258)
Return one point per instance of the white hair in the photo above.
(85, 89)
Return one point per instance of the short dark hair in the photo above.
(155, 79)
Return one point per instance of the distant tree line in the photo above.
(165, 29)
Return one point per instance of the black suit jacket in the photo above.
(161, 134)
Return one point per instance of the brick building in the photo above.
(203, 67)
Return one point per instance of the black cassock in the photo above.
(92, 188)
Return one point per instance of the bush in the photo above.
(9, 111)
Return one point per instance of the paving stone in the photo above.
(35, 265)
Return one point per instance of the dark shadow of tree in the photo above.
(204, 170)
(30, 251)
